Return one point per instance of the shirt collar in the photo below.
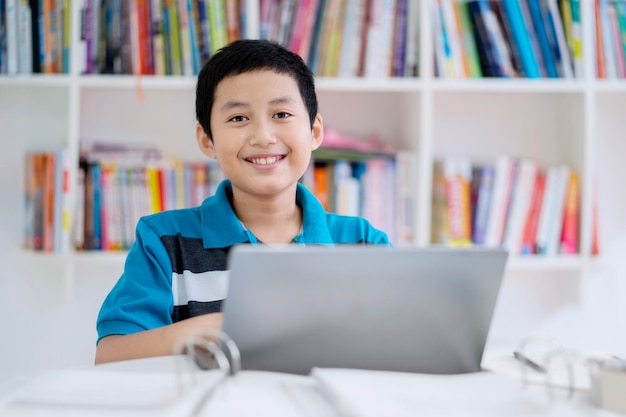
(221, 228)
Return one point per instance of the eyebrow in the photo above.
(229, 105)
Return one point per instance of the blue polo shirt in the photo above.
(177, 267)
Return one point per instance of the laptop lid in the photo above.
(290, 308)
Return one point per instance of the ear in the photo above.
(204, 142)
(317, 133)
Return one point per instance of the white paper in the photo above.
(359, 393)
(92, 392)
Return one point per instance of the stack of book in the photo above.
(507, 38)
(513, 203)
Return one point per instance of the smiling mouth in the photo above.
(268, 160)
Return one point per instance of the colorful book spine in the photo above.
(542, 37)
(571, 216)
(620, 10)
(176, 54)
(457, 173)
(520, 205)
(599, 43)
(498, 209)
(607, 41)
(217, 24)
(530, 228)
(577, 39)
(158, 38)
(618, 52)
(470, 56)
(521, 37)
(399, 39)
(186, 42)
(195, 35)
(12, 43)
(452, 34)
(484, 190)
(203, 22)
(231, 9)
(557, 211)
(556, 26)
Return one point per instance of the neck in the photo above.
(272, 219)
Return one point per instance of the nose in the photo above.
(262, 134)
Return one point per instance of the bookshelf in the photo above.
(575, 121)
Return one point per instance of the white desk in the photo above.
(367, 394)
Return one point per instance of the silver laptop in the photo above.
(290, 308)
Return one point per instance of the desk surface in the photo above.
(357, 393)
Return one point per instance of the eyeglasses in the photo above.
(549, 361)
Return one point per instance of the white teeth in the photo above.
(264, 161)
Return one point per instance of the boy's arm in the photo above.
(154, 342)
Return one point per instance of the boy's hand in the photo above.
(155, 342)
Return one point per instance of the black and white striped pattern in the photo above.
(199, 276)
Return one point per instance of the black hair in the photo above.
(251, 55)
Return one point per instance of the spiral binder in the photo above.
(208, 350)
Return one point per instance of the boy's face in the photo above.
(262, 136)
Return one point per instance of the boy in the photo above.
(257, 116)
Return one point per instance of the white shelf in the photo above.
(541, 263)
(117, 258)
(99, 258)
(610, 86)
(131, 82)
(504, 85)
(36, 80)
(369, 84)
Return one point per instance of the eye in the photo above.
(238, 119)
(282, 115)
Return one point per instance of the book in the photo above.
(185, 37)
(406, 201)
(620, 11)
(601, 71)
(24, 37)
(11, 34)
(351, 42)
(457, 174)
(232, 20)
(484, 176)
(303, 31)
(452, 33)
(532, 220)
(556, 25)
(577, 35)
(439, 213)
(411, 53)
(607, 43)
(491, 61)
(507, 34)
(618, 51)
(557, 212)
(216, 14)
(379, 39)
(521, 197)
(538, 17)
(569, 242)
(443, 62)
(157, 32)
(498, 209)
(470, 53)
